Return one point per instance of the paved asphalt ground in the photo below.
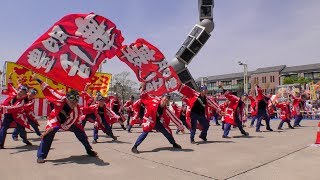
(285, 154)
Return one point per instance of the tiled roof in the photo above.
(302, 68)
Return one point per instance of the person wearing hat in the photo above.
(29, 111)
(155, 118)
(12, 108)
(66, 116)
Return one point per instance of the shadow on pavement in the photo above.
(115, 142)
(210, 142)
(167, 149)
(247, 136)
(82, 159)
(25, 148)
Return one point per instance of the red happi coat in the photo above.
(188, 115)
(149, 119)
(260, 97)
(16, 108)
(223, 108)
(176, 109)
(232, 108)
(59, 100)
(109, 115)
(111, 104)
(191, 96)
(296, 106)
(270, 108)
(254, 106)
(211, 109)
(285, 113)
(128, 107)
(87, 98)
(29, 110)
(135, 119)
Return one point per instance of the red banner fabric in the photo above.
(71, 51)
(150, 66)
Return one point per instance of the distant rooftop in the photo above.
(269, 69)
(302, 68)
(281, 68)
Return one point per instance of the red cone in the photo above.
(318, 135)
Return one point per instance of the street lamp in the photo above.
(245, 76)
(245, 83)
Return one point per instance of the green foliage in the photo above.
(294, 79)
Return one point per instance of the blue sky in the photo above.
(259, 32)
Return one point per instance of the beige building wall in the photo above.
(272, 80)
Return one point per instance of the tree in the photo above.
(123, 85)
(292, 80)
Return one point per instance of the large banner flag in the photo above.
(150, 66)
(99, 82)
(71, 51)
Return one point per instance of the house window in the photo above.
(264, 79)
(316, 75)
(271, 78)
(240, 81)
(225, 83)
(308, 75)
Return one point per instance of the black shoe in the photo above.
(246, 134)
(40, 160)
(291, 127)
(177, 132)
(135, 150)
(92, 153)
(192, 141)
(124, 128)
(258, 131)
(218, 124)
(114, 138)
(15, 138)
(203, 138)
(1, 146)
(176, 146)
(28, 143)
(94, 141)
(269, 129)
(227, 137)
(279, 128)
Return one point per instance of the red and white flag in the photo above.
(150, 66)
(71, 51)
